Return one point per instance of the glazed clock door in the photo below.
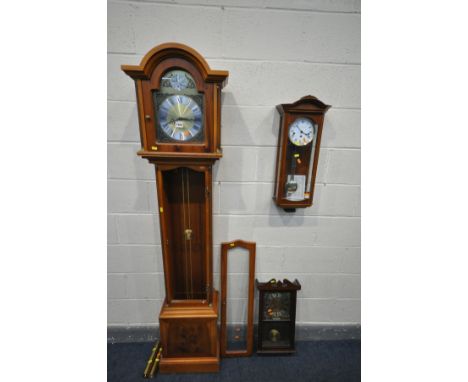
(302, 138)
(277, 318)
(185, 219)
(237, 339)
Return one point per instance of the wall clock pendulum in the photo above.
(179, 108)
(298, 150)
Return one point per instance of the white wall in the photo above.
(276, 52)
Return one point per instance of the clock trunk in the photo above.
(185, 220)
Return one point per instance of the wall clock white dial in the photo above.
(301, 132)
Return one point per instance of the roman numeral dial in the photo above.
(180, 117)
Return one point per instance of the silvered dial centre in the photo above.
(180, 117)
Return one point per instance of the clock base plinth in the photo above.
(189, 338)
(189, 365)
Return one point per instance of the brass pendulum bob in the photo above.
(274, 335)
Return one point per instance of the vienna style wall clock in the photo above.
(179, 108)
(298, 152)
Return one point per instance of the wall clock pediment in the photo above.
(306, 103)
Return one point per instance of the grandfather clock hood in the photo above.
(205, 91)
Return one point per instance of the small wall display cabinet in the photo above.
(277, 316)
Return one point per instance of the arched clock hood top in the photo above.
(171, 49)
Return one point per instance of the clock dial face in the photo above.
(276, 306)
(302, 132)
(180, 117)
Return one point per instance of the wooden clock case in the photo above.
(189, 314)
(276, 332)
(311, 108)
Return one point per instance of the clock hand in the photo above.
(172, 121)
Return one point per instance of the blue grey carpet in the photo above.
(327, 361)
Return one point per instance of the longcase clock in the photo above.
(179, 108)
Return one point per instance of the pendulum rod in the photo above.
(190, 230)
(185, 176)
(184, 237)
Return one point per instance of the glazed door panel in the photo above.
(184, 212)
(237, 298)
